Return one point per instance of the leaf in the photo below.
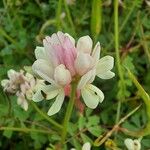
(96, 130)
(81, 122)
(8, 133)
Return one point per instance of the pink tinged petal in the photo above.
(67, 90)
(92, 96)
(83, 63)
(62, 76)
(71, 38)
(96, 52)
(44, 70)
(86, 79)
(22, 101)
(84, 44)
(50, 51)
(56, 106)
(69, 55)
(104, 66)
(86, 146)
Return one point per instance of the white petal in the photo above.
(137, 144)
(50, 91)
(87, 78)
(129, 144)
(83, 63)
(37, 97)
(22, 101)
(92, 96)
(97, 91)
(106, 75)
(86, 146)
(44, 70)
(96, 52)
(84, 44)
(56, 106)
(105, 64)
(71, 38)
(40, 53)
(11, 73)
(62, 75)
(4, 82)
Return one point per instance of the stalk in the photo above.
(68, 113)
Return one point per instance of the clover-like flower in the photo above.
(23, 85)
(61, 62)
(132, 144)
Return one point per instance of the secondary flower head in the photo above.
(132, 144)
(23, 85)
(62, 61)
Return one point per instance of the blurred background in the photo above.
(23, 25)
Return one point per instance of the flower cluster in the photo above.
(62, 62)
(23, 85)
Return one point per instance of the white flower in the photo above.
(132, 144)
(62, 61)
(86, 146)
(24, 86)
(92, 66)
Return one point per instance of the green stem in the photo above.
(68, 113)
(69, 17)
(118, 61)
(44, 115)
(25, 130)
(58, 13)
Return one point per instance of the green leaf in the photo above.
(96, 130)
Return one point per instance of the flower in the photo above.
(132, 144)
(86, 146)
(61, 62)
(22, 85)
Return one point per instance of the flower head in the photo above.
(132, 144)
(62, 61)
(23, 85)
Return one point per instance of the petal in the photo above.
(4, 82)
(87, 78)
(129, 144)
(40, 53)
(44, 70)
(90, 98)
(37, 97)
(11, 73)
(106, 75)
(137, 144)
(83, 63)
(71, 38)
(50, 51)
(62, 75)
(105, 64)
(50, 91)
(56, 106)
(86, 146)
(96, 52)
(96, 91)
(84, 44)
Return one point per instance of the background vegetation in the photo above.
(23, 25)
